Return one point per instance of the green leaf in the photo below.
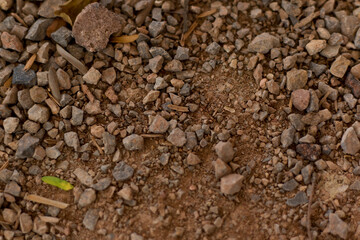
(57, 182)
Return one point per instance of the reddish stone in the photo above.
(11, 42)
(301, 99)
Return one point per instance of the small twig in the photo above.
(4, 165)
(20, 20)
(290, 103)
(308, 225)
(53, 98)
(325, 97)
(178, 108)
(30, 62)
(148, 135)
(97, 145)
(185, 16)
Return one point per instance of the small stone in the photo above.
(330, 51)
(151, 96)
(306, 173)
(231, 184)
(26, 146)
(39, 113)
(122, 171)
(339, 66)
(87, 197)
(26, 223)
(109, 75)
(318, 69)
(11, 42)
(299, 199)
(13, 188)
(159, 125)
(309, 151)
(94, 25)
(62, 36)
(143, 49)
(350, 142)
(40, 227)
(324, 88)
(38, 94)
(301, 99)
(25, 99)
(316, 118)
(37, 31)
(10, 124)
(72, 140)
(93, 108)
(182, 53)
(177, 137)
(355, 186)
(221, 168)
(133, 142)
(263, 43)
(156, 27)
(102, 184)
(192, 159)
(353, 84)
(22, 77)
(273, 87)
(174, 66)
(77, 116)
(290, 185)
(6, 4)
(53, 152)
(287, 137)
(296, 79)
(10, 57)
(225, 151)
(315, 46)
(92, 76)
(109, 143)
(63, 79)
(83, 177)
(337, 227)
(48, 7)
(43, 53)
(90, 219)
(110, 94)
(213, 48)
(155, 64)
(9, 215)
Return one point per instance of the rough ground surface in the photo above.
(238, 131)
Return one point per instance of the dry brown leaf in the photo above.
(19, 19)
(71, 59)
(7, 83)
(207, 13)
(71, 9)
(30, 62)
(4, 165)
(188, 33)
(55, 25)
(124, 39)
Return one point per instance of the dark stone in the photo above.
(309, 151)
(122, 172)
(26, 146)
(299, 199)
(290, 185)
(21, 77)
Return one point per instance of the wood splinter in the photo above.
(46, 201)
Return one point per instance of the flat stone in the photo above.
(90, 219)
(263, 43)
(37, 31)
(109, 75)
(24, 99)
(40, 227)
(156, 27)
(159, 125)
(182, 53)
(26, 223)
(192, 159)
(143, 49)
(221, 168)
(355, 71)
(109, 143)
(21, 77)
(225, 151)
(83, 177)
(92, 76)
(77, 116)
(330, 51)
(287, 137)
(93, 108)
(122, 172)
(337, 227)
(94, 25)
(52, 152)
(155, 63)
(174, 66)
(350, 142)
(9, 215)
(316, 118)
(177, 137)
(231, 184)
(315, 46)
(318, 69)
(13, 188)
(339, 66)
(354, 84)
(48, 7)
(38, 94)
(133, 142)
(102, 184)
(296, 79)
(87, 197)
(72, 140)
(10, 124)
(213, 48)
(290, 185)
(9, 56)
(26, 146)
(11, 42)
(301, 99)
(299, 199)
(39, 113)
